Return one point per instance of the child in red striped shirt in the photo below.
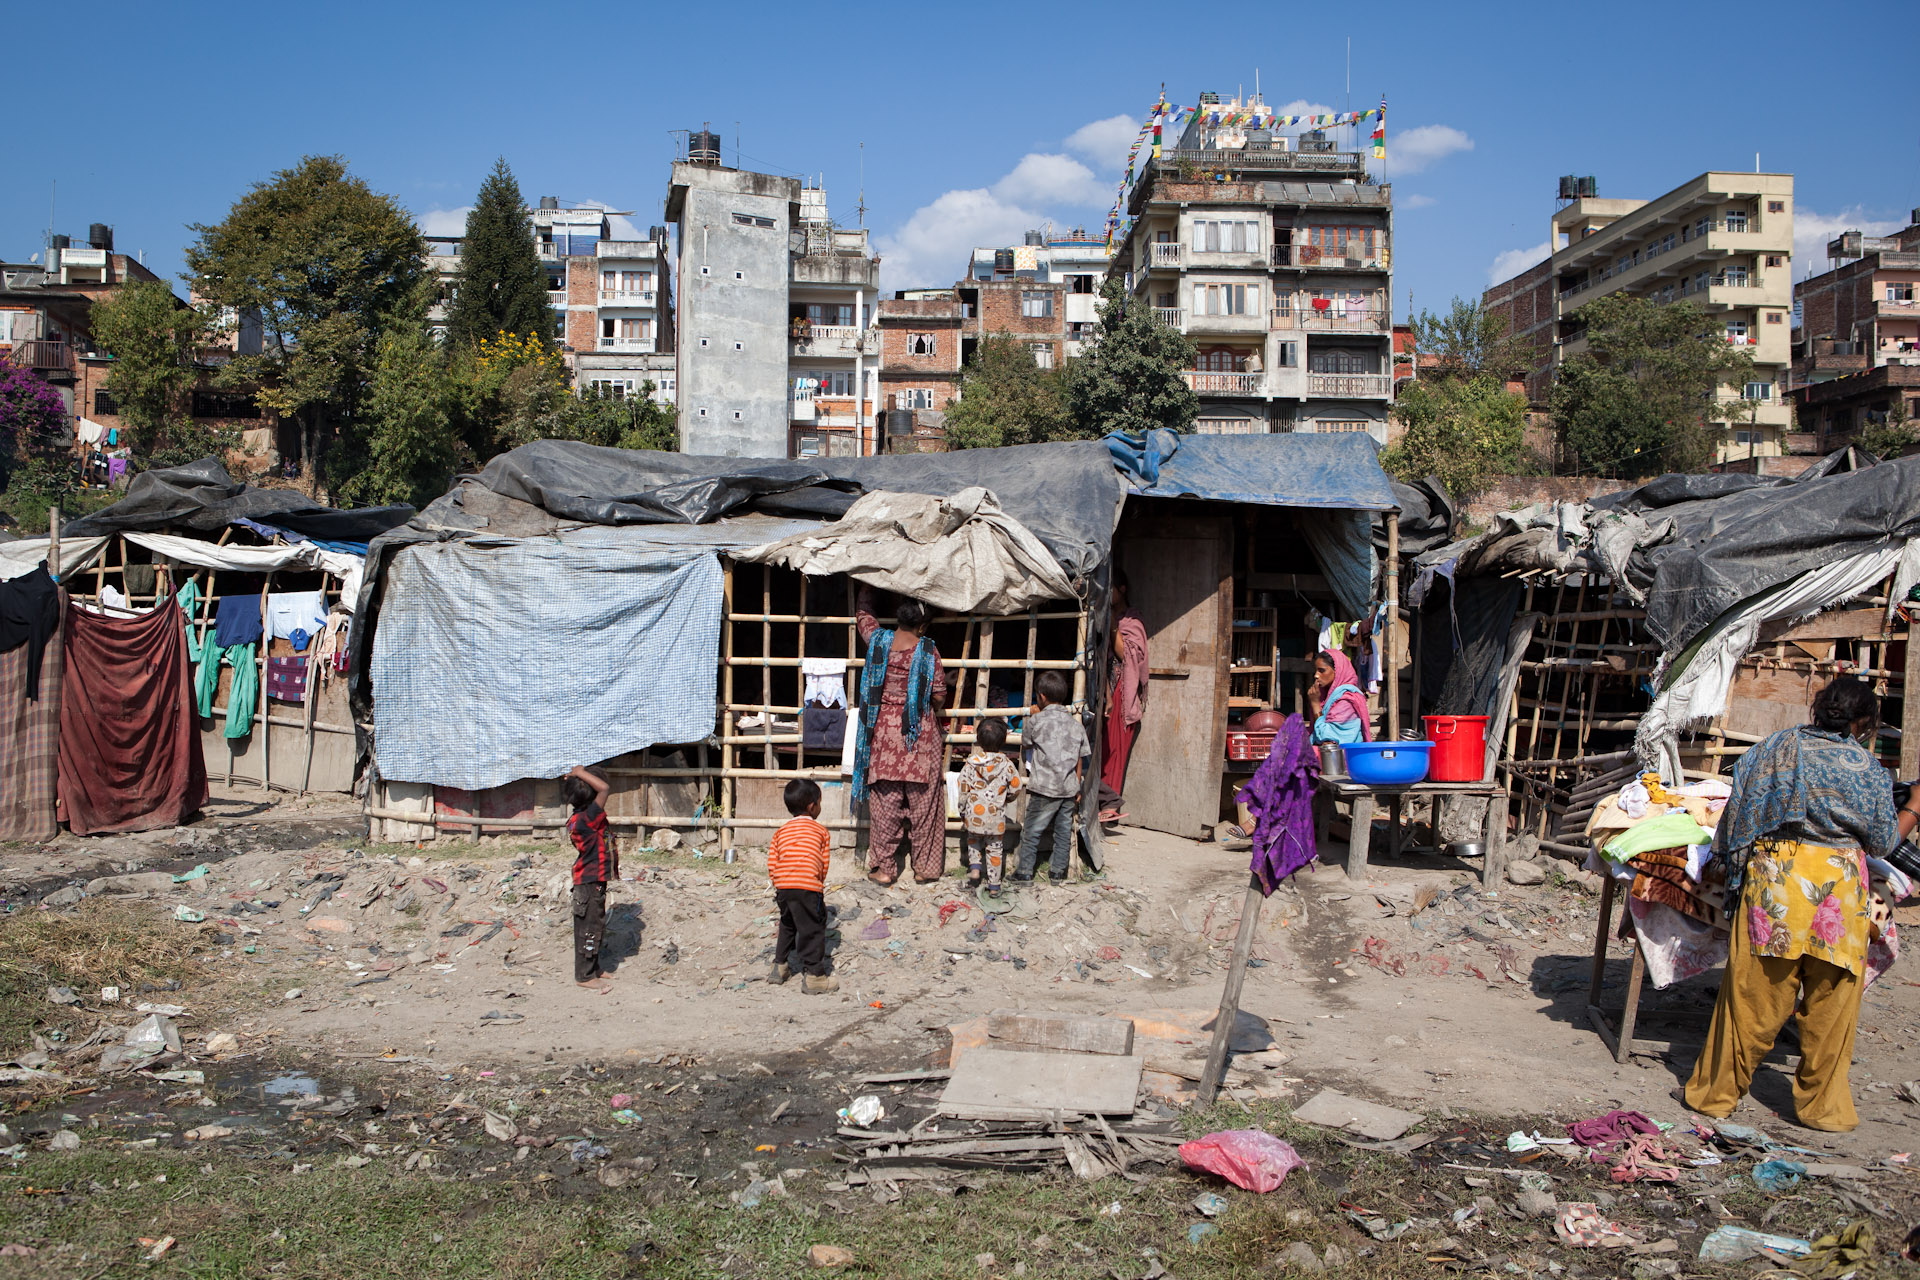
(597, 864)
(797, 865)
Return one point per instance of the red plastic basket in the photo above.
(1250, 744)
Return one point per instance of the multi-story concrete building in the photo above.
(1723, 240)
(1055, 280)
(1275, 256)
(1856, 355)
(777, 352)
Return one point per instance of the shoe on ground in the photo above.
(781, 972)
(819, 985)
(993, 891)
(1054, 879)
(1017, 878)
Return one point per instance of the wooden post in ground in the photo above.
(1223, 1021)
(53, 547)
(1392, 655)
(1910, 708)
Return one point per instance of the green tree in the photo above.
(1888, 437)
(408, 448)
(1005, 398)
(635, 421)
(329, 264)
(1469, 341)
(1129, 380)
(155, 340)
(502, 286)
(1646, 394)
(1464, 431)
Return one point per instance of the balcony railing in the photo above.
(626, 344)
(820, 338)
(627, 297)
(1228, 384)
(1351, 319)
(1899, 304)
(1171, 317)
(41, 353)
(1166, 253)
(1315, 258)
(1350, 386)
(1283, 316)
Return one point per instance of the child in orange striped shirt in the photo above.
(797, 865)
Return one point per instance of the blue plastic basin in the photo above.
(1387, 764)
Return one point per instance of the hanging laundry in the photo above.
(241, 697)
(290, 611)
(113, 437)
(826, 682)
(237, 621)
(188, 598)
(29, 741)
(287, 679)
(113, 598)
(822, 728)
(91, 432)
(1338, 635)
(29, 615)
(139, 578)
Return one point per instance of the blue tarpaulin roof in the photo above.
(1338, 472)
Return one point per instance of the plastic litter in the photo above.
(863, 1111)
(1200, 1231)
(585, 1150)
(626, 1115)
(1581, 1226)
(65, 1140)
(109, 995)
(1210, 1203)
(1518, 1142)
(1776, 1176)
(62, 995)
(194, 874)
(1737, 1244)
(153, 1033)
(187, 915)
(877, 930)
(1249, 1158)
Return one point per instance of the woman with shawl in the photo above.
(900, 746)
(1127, 672)
(1334, 698)
(1809, 806)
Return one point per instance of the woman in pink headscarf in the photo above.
(1339, 707)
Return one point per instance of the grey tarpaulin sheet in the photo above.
(1339, 471)
(201, 495)
(961, 554)
(499, 660)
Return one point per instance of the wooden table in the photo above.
(1365, 797)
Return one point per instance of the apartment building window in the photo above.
(1331, 425)
(1736, 276)
(625, 329)
(1758, 391)
(1701, 227)
(1736, 219)
(104, 405)
(1227, 427)
(1286, 355)
(1042, 354)
(1666, 294)
(1081, 284)
(556, 282)
(1340, 242)
(609, 281)
(1215, 235)
(1623, 264)
(913, 398)
(838, 384)
(752, 220)
(1080, 330)
(1776, 259)
(1700, 281)
(1339, 360)
(920, 344)
(1228, 299)
(1036, 304)
(830, 313)
(1776, 317)
(1899, 292)
(1746, 437)
(612, 388)
(1737, 332)
(1776, 206)
(1218, 360)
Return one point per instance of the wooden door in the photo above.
(1180, 576)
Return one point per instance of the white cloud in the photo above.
(1104, 142)
(1811, 231)
(1301, 107)
(1414, 202)
(444, 222)
(1514, 261)
(1045, 180)
(934, 245)
(1411, 150)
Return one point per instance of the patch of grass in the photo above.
(94, 944)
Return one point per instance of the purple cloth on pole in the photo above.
(1280, 798)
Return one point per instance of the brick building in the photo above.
(921, 331)
(1856, 355)
(1723, 240)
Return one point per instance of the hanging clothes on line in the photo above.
(287, 679)
(826, 681)
(241, 696)
(291, 611)
(30, 742)
(29, 615)
(237, 620)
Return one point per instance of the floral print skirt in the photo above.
(1808, 900)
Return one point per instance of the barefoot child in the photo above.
(596, 865)
(797, 865)
(987, 782)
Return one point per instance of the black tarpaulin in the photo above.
(202, 496)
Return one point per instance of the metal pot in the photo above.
(1333, 760)
(1467, 849)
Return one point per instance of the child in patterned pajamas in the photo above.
(987, 782)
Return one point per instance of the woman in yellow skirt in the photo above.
(1809, 805)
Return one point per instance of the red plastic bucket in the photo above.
(1459, 748)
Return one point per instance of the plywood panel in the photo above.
(1180, 575)
(1764, 702)
(1006, 1084)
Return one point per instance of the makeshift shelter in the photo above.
(669, 615)
(1673, 625)
(193, 535)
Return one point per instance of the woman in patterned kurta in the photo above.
(1808, 805)
(902, 781)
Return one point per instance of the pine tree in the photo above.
(502, 286)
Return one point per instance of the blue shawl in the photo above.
(1805, 784)
(873, 684)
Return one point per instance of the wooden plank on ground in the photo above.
(1061, 1032)
(1016, 1084)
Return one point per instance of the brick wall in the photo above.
(583, 303)
(1000, 303)
(1526, 303)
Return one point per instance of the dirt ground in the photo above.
(377, 995)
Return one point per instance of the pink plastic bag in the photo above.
(1248, 1158)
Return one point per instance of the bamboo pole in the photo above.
(728, 788)
(1393, 666)
(849, 620)
(766, 665)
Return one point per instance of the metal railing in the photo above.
(1315, 258)
(1231, 384)
(1352, 386)
(1364, 319)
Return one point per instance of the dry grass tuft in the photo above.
(98, 943)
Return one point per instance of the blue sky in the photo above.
(978, 120)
